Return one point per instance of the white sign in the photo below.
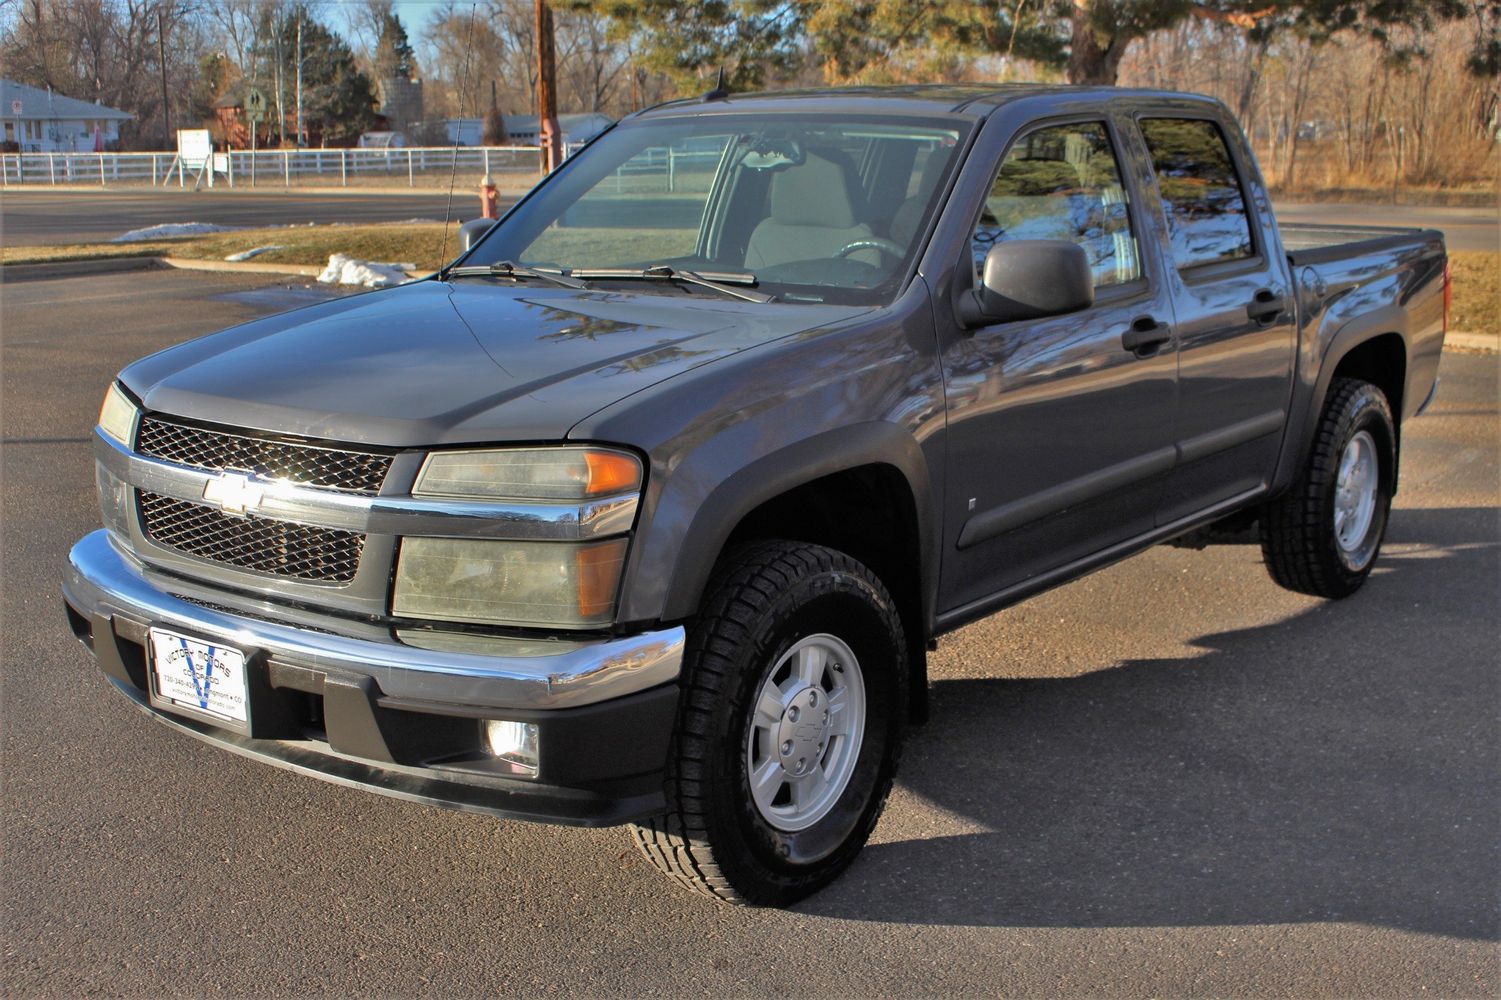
(15, 107)
(194, 147)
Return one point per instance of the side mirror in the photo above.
(1029, 279)
(472, 231)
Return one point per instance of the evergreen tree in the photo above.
(753, 40)
(338, 100)
(394, 58)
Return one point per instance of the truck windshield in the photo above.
(806, 208)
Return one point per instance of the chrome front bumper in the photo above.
(102, 582)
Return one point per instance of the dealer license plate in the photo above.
(200, 678)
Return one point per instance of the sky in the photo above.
(413, 13)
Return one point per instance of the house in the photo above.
(40, 121)
(522, 130)
(229, 124)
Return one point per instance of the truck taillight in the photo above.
(1448, 292)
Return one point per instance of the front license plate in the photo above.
(199, 678)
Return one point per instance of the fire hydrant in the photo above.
(489, 198)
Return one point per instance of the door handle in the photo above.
(1266, 306)
(1145, 336)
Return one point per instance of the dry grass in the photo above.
(418, 244)
(1477, 274)
(1477, 291)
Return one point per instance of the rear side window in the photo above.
(1201, 194)
(1062, 183)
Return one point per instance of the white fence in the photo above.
(509, 165)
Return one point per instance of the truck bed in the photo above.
(1312, 243)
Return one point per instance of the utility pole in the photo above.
(161, 53)
(547, 91)
(299, 80)
(281, 108)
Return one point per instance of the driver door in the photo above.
(1060, 437)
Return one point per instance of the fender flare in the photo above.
(1360, 330)
(786, 468)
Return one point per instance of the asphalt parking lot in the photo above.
(1170, 778)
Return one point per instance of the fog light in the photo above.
(513, 743)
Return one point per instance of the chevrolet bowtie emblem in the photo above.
(233, 493)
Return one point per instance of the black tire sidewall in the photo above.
(1367, 410)
(849, 608)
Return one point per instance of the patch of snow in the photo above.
(167, 229)
(256, 252)
(345, 270)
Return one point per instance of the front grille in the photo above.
(305, 464)
(255, 543)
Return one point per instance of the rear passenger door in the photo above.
(1060, 438)
(1233, 302)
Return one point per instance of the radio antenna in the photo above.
(458, 134)
(720, 91)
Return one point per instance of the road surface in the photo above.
(43, 217)
(1168, 779)
(31, 218)
(1463, 228)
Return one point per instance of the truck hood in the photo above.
(474, 361)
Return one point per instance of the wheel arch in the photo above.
(863, 490)
(1374, 348)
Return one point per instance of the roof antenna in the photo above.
(720, 91)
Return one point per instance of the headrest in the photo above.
(815, 192)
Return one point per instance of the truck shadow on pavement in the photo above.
(1340, 765)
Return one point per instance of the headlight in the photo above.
(117, 417)
(529, 474)
(544, 584)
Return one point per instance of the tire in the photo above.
(778, 619)
(1322, 536)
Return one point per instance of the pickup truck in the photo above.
(650, 507)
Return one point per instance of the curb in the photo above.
(106, 265)
(1480, 343)
(73, 268)
(242, 267)
(251, 267)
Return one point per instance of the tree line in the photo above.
(1397, 79)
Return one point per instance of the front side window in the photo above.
(1206, 212)
(1063, 183)
(815, 208)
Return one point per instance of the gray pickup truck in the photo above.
(649, 508)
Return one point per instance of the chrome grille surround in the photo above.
(296, 462)
(263, 545)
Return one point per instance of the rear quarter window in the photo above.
(1201, 192)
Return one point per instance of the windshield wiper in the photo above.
(719, 282)
(510, 269)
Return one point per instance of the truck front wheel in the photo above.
(1322, 536)
(789, 727)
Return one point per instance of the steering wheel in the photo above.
(892, 249)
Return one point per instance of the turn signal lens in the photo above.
(529, 474)
(117, 417)
(598, 575)
(612, 472)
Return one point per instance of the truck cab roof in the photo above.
(973, 101)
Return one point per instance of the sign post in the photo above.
(255, 113)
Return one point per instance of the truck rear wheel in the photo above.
(1323, 535)
(789, 727)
